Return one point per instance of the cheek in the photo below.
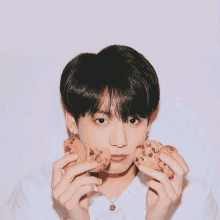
(84, 132)
(91, 136)
(138, 135)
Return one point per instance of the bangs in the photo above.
(123, 104)
(124, 98)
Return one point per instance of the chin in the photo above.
(115, 168)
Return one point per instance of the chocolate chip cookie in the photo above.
(148, 154)
(102, 156)
(73, 145)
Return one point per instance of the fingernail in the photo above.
(163, 157)
(141, 167)
(75, 156)
(94, 163)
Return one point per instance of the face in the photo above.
(104, 130)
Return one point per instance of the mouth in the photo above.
(118, 158)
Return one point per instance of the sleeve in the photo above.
(204, 206)
(31, 200)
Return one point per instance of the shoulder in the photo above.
(197, 201)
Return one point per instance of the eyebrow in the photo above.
(103, 112)
(107, 113)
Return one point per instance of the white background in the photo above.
(38, 38)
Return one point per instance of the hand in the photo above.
(69, 188)
(163, 193)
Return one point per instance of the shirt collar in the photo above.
(135, 193)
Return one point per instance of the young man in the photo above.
(110, 99)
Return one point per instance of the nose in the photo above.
(118, 135)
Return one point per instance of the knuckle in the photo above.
(187, 170)
(181, 173)
(178, 196)
(91, 187)
(55, 165)
(169, 201)
(71, 171)
(68, 205)
(164, 177)
(174, 198)
(55, 195)
(61, 201)
(86, 188)
(160, 187)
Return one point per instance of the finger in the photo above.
(162, 193)
(75, 144)
(182, 162)
(164, 181)
(67, 194)
(74, 200)
(173, 164)
(179, 172)
(58, 166)
(79, 169)
(71, 173)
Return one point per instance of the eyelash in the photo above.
(137, 119)
(132, 118)
(96, 120)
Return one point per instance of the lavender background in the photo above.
(38, 38)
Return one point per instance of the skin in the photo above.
(102, 129)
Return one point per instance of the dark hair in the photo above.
(125, 74)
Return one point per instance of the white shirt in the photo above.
(31, 200)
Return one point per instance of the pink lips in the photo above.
(118, 158)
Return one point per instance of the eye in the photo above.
(133, 120)
(101, 121)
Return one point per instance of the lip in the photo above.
(118, 158)
(119, 155)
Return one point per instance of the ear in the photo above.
(71, 123)
(155, 114)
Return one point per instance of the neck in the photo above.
(114, 184)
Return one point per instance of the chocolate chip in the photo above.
(68, 149)
(159, 160)
(100, 151)
(161, 169)
(140, 146)
(150, 155)
(71, 142)
(149, 145)
(91, 152)
(137, 159)
(142, 158)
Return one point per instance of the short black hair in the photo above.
(125, 74)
